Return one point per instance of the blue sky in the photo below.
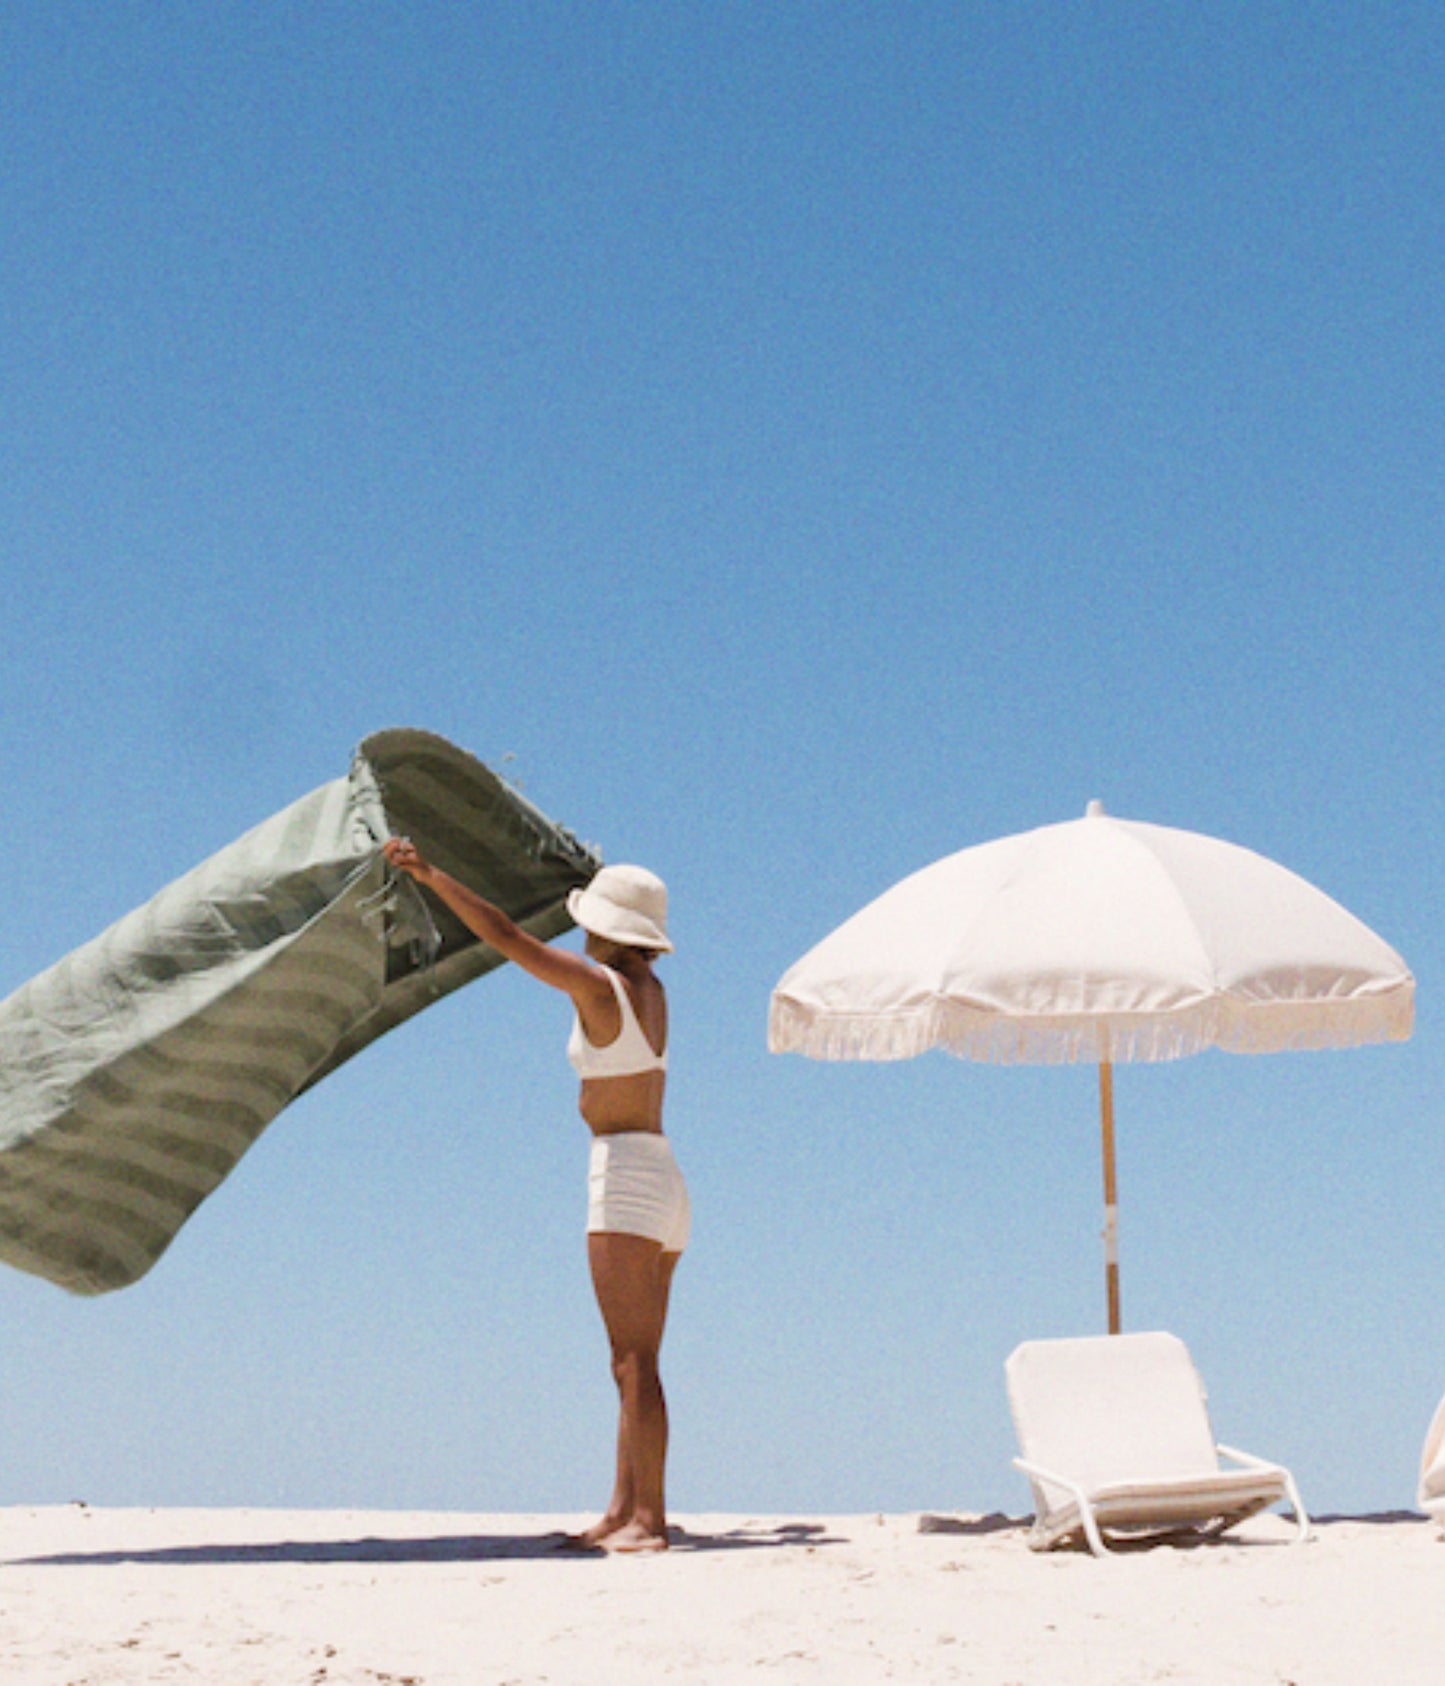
(792, 441)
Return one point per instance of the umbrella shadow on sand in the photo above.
(441, 1548)
(995, 1522)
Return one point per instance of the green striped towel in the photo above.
(135, 1072)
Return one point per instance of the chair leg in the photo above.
(1303, 1530)
(1091, 1530)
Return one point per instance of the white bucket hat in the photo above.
(624, 904)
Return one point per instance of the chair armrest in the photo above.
(1248, 1459)
(1301, 1516)
(1037, 1472)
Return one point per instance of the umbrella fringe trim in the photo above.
(1246, 1028)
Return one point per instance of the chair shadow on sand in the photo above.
(440, 1548)
(997, 1523)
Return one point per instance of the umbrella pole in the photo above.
(1111, 1194)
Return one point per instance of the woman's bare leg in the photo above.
(633, 1280)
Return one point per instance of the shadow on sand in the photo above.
(1187, 1539)
(994, 1523)
(558, 1547)
(443, 1548)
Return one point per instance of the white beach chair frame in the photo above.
(1117, 1445)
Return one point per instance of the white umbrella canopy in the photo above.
(1099, 939)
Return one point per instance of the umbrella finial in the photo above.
(1095, 810)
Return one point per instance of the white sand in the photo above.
(277, 1598)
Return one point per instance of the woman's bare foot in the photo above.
(598, 1533)
(635, 1537)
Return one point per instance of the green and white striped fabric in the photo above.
(135, 1072)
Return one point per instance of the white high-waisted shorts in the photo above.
(634, 1187)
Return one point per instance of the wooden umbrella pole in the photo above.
(1111, 1194)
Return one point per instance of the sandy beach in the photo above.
(369, 1598)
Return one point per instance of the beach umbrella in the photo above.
(1098, 939)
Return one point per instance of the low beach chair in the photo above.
(1116, 1442)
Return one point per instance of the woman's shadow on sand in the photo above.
(437, 1548)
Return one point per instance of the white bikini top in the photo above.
(627, 1054)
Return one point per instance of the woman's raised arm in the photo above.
(559, 967)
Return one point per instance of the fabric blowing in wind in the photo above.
(136, 1072)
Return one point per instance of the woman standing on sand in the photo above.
(637, 1214)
